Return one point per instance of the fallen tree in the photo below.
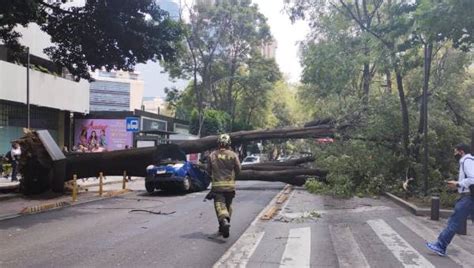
(292, 176)
(291, 162)
(38, 167)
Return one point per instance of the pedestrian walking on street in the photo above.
(126, 148)
(464, 205)
(2, 158)
(223, 165)
(15, 154)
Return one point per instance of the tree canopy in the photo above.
(111, 34)
(222, 55)
(376, 64)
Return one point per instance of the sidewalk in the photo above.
(14, 204)
(7, 184)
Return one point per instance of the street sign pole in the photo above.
(28, 87)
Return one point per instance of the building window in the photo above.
(15, 115)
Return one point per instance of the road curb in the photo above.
(105, 183)
(276, 206)
(444, 213)
(44, 207)
(59, 205)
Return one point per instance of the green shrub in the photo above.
(315, 187)
(341, 185)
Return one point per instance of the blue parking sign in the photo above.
(132, 124)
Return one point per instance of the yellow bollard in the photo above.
(101, 176)
(124, 181)
(74, 188)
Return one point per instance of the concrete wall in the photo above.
(45, 89)
(136, 94)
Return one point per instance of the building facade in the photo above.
(49, 93)
(268, 49)
(108, 129)
(116, 91)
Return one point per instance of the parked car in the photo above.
(174, 173)
(283, 158)
(253, 159)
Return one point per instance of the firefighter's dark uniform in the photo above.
(223, 166)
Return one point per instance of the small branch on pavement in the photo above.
(152, 212)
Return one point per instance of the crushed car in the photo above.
(172, 172)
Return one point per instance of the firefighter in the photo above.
(223, 165)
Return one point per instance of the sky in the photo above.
(287, 35)
(283, 30)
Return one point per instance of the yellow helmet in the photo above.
(223, 140)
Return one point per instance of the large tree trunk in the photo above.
(209, 142)
(404, 110)
(426, 82)
(135, 161)
(295, 177)
(291, 162)
(36, 165)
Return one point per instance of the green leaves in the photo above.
(111, 34)
(215, 122)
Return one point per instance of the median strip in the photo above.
(280, 200)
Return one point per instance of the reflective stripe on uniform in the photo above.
(223, 183)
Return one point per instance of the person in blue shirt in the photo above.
(464, 205)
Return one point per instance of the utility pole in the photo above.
(28, 86)
(71, 134)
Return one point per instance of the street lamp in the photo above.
(28, 86)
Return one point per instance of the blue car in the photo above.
(174, 173)
(180, 176)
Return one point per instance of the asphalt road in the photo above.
(107, 234)
(321, 231)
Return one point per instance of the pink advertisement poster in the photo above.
(98, 135)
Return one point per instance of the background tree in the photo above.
(110, 34)
(411, 42)
(222, 42)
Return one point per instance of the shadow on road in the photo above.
(204, 236)
(27, 221)
(161, 194)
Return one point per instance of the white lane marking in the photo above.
(240, 253)
(400, 248)
(298, 248)
(347, 250)
(462, 257)
(251, 235)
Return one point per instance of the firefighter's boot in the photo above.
(224, 228)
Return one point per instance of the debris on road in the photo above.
(152, 212)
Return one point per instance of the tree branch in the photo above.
(458, 115)
(351, 14)
(56, 8)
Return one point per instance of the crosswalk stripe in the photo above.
(241, 251)
(347, 250)
(441, 224)
(400, 248)
(298, 248)
(462, 257)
